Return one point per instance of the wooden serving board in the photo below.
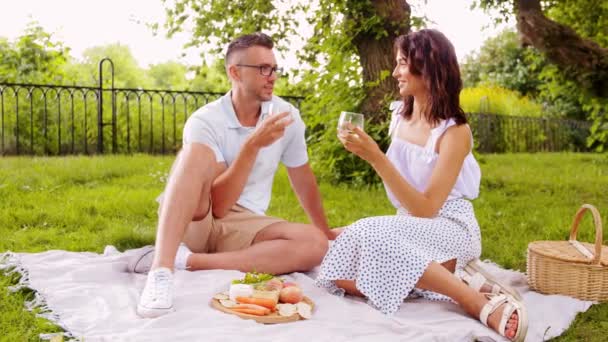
(272, 318)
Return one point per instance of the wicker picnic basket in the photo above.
(570, 267)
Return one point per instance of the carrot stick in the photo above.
(251, 307)
(256, 312)
(265, 302)
(251, 311)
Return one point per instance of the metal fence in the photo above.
(39, 119)
(499, 133)
(42, 119)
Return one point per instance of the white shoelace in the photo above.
(161, 288)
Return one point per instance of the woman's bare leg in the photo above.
(350, 287)
(439, 278)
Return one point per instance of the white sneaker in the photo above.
(157, 296)
(141, 260)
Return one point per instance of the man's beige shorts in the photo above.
(235, 231)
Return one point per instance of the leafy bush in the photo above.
(335, 164)
(497, 100)
(503, 62)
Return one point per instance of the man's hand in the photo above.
(271, 130)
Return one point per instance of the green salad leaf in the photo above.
(253, 278)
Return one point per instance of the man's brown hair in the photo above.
(247, 41)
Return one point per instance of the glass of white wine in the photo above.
(274, 109)
(349, 120)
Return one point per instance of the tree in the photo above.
(352, 39)
(127, 73)
(168, 75)
(34, 57)
(373, 26)
(210, 78)
(572, 36)
(578, 55)
(502, 61)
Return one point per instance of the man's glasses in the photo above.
(265, 70)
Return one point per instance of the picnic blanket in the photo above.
(93, 297)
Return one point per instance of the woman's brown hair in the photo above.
(430, 55)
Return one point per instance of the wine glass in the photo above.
(349, 120)
(278, 108)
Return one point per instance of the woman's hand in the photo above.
(333, 233)
(361, 144)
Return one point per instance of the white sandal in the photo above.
(476, 277)
(511, 306)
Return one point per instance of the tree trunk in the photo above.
(376, 50)
(583, 59)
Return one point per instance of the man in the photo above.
(220, 185)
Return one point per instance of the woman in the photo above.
(429, 173)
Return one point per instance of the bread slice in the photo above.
(274, 295)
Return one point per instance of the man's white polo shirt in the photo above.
(217, 126)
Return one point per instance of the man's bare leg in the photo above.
(186, 193)
(186, 196)
(279, 248)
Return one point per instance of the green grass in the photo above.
(84, 204)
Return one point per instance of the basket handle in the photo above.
(598, 232)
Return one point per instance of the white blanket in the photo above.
(93, 297)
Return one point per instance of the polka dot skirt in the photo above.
(387, 255)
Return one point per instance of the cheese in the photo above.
(274, 295)
(240, 290)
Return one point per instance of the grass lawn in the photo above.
(86, 203)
